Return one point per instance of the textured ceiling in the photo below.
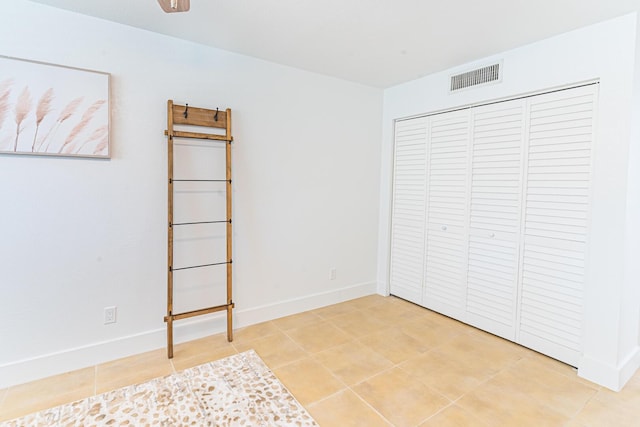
(374, 42)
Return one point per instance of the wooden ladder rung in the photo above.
(198, 312)
(199, 135)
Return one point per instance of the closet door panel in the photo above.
(556, 222)
(447, 213)
(495, 216)
(408, 215)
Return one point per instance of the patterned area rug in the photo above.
(237, 391)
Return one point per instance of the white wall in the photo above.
(632, 272)
(607, 52)
(79, 235)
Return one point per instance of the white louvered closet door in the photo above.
(408, 216)
(560, 138)
(447, 213)
(496, 191)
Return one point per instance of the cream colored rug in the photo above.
(237, 391)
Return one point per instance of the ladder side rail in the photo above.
(170, 230)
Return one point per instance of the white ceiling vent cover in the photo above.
(488, 74)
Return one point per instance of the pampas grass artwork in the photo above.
(66, 112)
(5, 91)
(47, 109)
(44, 107)
(75, 133)
(22, 109)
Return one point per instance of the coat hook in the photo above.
(216, 116)
(186, 111)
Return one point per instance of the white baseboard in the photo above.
(383, 288)
(613, 377)
(92, 354)
(629, 366)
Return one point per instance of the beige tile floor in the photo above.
(376, 361)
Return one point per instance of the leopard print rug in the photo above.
(237, 391)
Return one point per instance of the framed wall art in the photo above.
(48, 109)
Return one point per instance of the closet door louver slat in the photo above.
(496, 189)
(556, 221)
(447, 213)
(409, 192)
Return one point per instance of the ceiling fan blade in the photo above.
(171, 6)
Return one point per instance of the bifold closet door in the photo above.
(497, 141)
(490, 216)
(447, 213)
(408, 212)
(560, 138)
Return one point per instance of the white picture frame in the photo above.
(53, 110)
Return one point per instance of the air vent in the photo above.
(480, 76)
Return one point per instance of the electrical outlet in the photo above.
(110, 315)
(332, 273)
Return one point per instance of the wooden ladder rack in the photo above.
(205, 118)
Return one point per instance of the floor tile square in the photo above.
(276, 349)
(450, 376)
(352, 362)
(500, 352)
(453, 416)
(297, 320)
(3, 393)
(345, 409)
(394, 344)
(550, 388)
(597, 413)
(203, 350)
(394, 313)
(499, 407)
(253, 332)
(318, 337)
(359, 323)
(430, 332)
(368, 301)
(334, 310)
(132, 370)
(308, 380)
(400, 398)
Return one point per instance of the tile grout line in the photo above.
(584, 405)
(394, 366)
(369, 405)
(491, 377)
(350, 387)
(309, 353)
(311, 356)
(286, 334)
(437, 392)
(283, 332)
(451, 403)
(357, 339)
